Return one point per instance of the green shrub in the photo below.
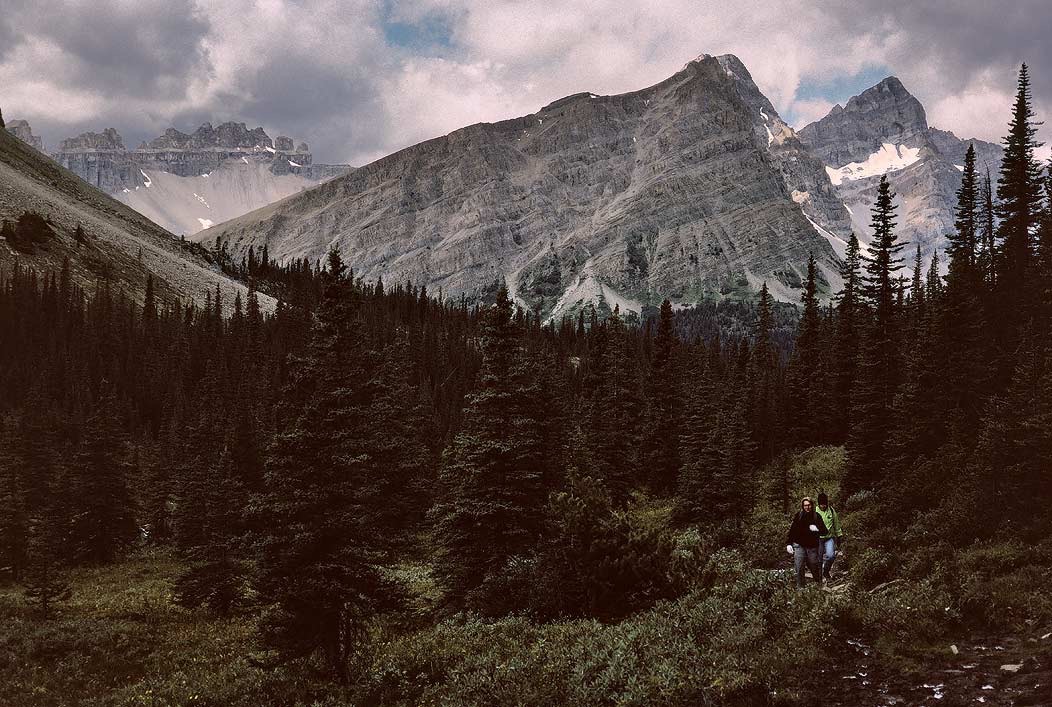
(872, 567)
(737, 640)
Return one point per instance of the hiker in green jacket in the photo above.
(832, 538)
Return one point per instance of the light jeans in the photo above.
(828, 547)
(808, 555)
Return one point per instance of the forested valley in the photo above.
(377, 495)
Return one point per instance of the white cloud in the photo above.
(808, 111)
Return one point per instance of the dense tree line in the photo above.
(301, 454)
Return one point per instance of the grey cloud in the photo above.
(336, 109)
(948, 43)
(144, 49)
(8, 36)
(326, 83)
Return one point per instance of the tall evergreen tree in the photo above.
(849, 322)
(884, 262)
(45, 581)
(662, 438)
(615, 408)
(317, 546)
(1019, 196)
(879, 363)
(103, 516)
(493, 477)
(763, 380)
(805, 381)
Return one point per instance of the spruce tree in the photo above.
(662, 458)
(615, 408)
(883, 262)
(987, 232)
(699, 438)
(849, 321)
(764, 429)
(216, 575)
(879, 364)
(963, 242)
(14, 521)
(317, 546)
(45, 582)
(493, 481)
(103, 516)
(958, 344)
(1019, 196)
(805, 383)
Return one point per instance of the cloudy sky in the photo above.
(359, 79)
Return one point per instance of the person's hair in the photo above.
(807, 499)
(823, 499)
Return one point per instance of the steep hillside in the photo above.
(686, 189)
(119, 244)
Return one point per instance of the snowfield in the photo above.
(889, 158)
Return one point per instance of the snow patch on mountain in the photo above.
(190, 204)
(889, 158)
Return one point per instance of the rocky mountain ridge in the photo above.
(22, 130)
(688, 189)
(256, 169)
(884, 130)
(102, 160)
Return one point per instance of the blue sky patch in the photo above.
(841, 88)
(433, 31)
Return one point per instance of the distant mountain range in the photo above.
(690, 189)
(116, 244)
(187, 182)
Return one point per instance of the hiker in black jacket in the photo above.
(803, 540)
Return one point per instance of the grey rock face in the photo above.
(102, 160)
(22, 130)
(108, 139)
(803, 173)
(673, 190)
(886, 112)
(884, 130)
(988, 155)
(322, 172)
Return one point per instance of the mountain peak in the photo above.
(883, 114)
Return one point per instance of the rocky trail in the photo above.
(985, 670)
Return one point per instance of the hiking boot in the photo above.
(825, 576)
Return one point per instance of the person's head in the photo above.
(806, 504)
(823, 501)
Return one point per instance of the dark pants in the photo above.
(808, 555)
